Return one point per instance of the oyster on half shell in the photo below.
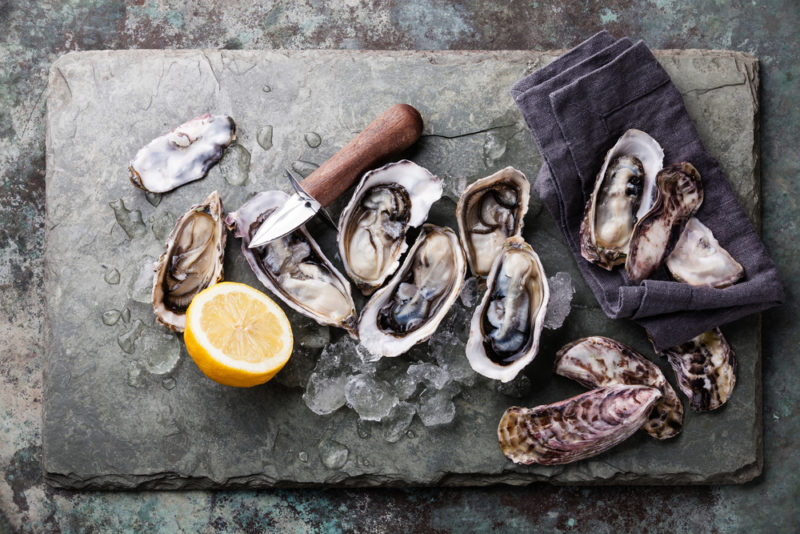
(191, 262)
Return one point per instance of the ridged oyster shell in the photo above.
(293, 267)
(600, 361)
(373, 225)
(409, 308)
(699, 260)
(192, 261)
(576, 428)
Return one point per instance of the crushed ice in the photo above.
(561, 292)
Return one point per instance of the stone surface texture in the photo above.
(34, 35)
(111, 419)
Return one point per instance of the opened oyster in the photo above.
(505, 328)
(183, 155)
(600, 361)
(706, 370)
(679, 196)
(623, 192)
(293, 267)
(191, 262)
(699, 260)
(373, 225)
(576, 428)
(409, 308)
(489, 211)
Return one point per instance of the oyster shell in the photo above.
(576, 428)
(183, 155)
(505, 328)
(706, 370)
(191, 262)
(600, 361)
(293, 267)
(409, 308)
(680, 194)
(699, 260)
(623, 192)
(373, 225)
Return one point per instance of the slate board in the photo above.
(119, 414)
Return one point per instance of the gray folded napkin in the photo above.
(577, 107)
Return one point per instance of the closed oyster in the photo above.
(373, 225)
(576, 428)
(191, 262)
(293, 267)
(699, 260)
(600, 361)
(489, 211)
(706, 370)
(623, 192)
(505, 328)
(679, 196)
(183, 155)
(409, 308)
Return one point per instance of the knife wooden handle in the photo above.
(393, 131)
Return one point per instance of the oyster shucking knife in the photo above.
(393, 131)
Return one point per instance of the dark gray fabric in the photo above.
(576, 111)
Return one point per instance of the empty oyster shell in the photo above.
(505, 328)
(576, 428)
(699, 260)
(706, 370)
(623, 192)
(183, 155)
(489, 211)
(373, 225)
(409, 308)
(679, 196)
(293, 267)
(191, 262)
(600, 361)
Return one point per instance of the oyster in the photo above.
(409, 308)
(599, 361)
(623, 192)
(373, 225)
(576, 428)
(489, 211)
(293, 267)
(505, 328)
(699, 260)
(706, 370)
(183, 155)
(191, 262)
(679, 196)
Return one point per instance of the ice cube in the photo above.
(397, 422)
(561, 292)
(430, 374)
(372, 399)
(325, 394)
(436, 407)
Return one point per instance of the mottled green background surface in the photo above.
(33, 35)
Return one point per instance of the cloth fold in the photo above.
(577, 107)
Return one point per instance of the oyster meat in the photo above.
(192, 261)
(679, 196)
(293, 267)
(505, 328)
(600, 361)
(489, 211)
(576, 428)
(373, 225)
(183, 155)
(699, 260)
(706, 370)
(624, 191)
(409, 308)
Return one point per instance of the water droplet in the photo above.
(126, 315)
(264, 137)
(333, 454)
(112, 277)
(161, 350)
(141, 289)
(411, 434)
(304, 168)
(127, 341)
(111, 317)
(169, 383)
(266, 89)
(363, 429)
(161, 224)
(153, 198)
(493, 148)
(365, 461)
(303, 456)
(235, 165)
(129, 220)
(313, 139)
